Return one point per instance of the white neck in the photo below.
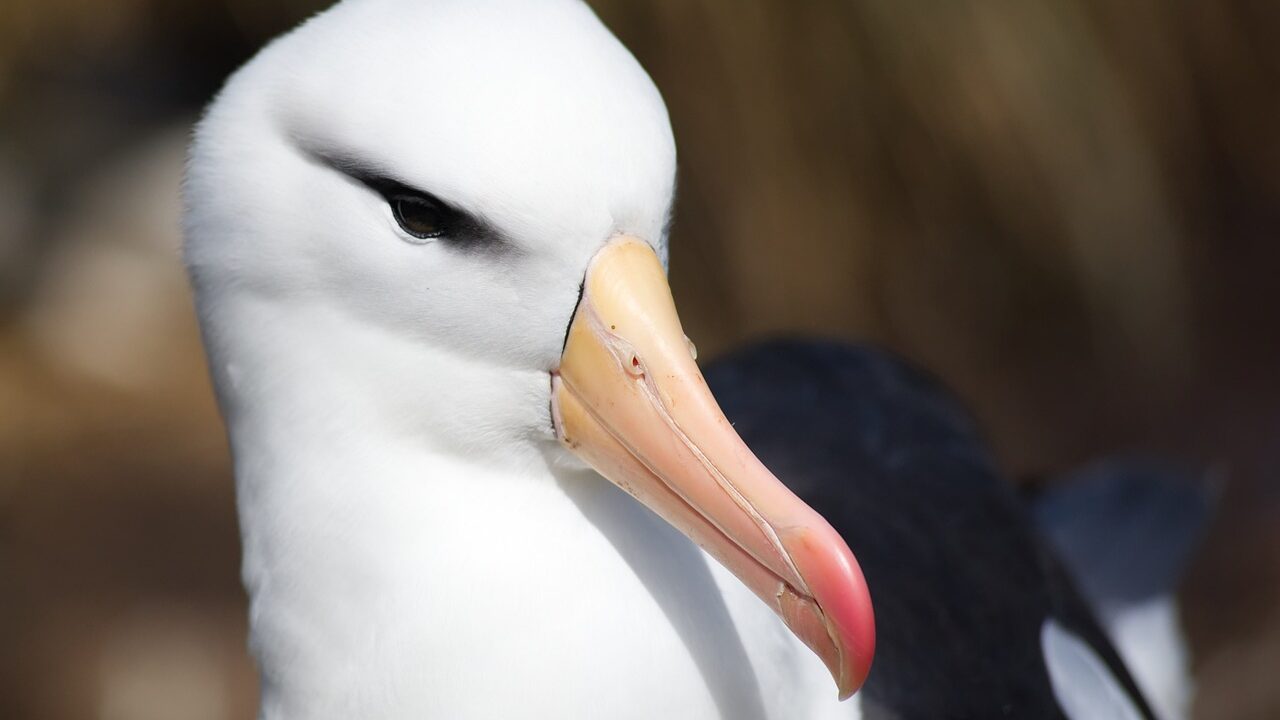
(330, 381)
(398, 569)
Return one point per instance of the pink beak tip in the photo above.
(840, 589)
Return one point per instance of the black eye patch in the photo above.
(420, 214)
(424, 216)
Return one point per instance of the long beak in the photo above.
(628, 398)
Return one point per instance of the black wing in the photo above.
(961, 584)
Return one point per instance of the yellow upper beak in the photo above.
(629, 399)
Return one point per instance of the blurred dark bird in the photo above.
(1127, 529)
(975, 616)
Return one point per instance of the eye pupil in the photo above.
(418, 216)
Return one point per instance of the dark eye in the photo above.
(419, 216)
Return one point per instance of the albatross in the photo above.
(478, 471)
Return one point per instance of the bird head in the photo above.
(403, 187)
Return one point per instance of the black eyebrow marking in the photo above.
(467, 231)
(355, 168)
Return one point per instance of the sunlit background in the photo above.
(1067, 210)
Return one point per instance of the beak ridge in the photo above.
(629, 399)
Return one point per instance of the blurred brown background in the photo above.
(1068, 210)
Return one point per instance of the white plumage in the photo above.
(416, 544)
